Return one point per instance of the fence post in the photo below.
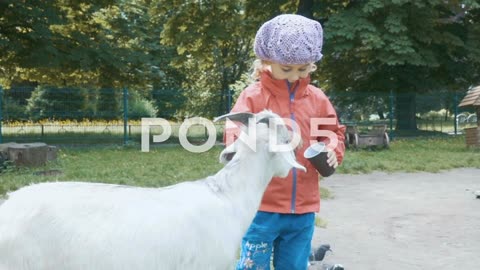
(390, 115)
(229, 100)
(1, 114)
(125, 115)
(455, 110)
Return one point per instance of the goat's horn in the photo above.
(238, 116)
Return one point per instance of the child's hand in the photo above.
(332, 159)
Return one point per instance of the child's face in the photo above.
(292, 73)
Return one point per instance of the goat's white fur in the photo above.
(191, 225)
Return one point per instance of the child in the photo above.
(287, 47)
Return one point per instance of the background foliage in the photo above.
(183, 58)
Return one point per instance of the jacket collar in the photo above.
(281, 88)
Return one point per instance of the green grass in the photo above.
(122, 165)
(410, 155)
(168, 165)
(320, 222)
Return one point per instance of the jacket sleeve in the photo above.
(336, 128)
(231, 132)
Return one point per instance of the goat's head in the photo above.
(265, 133)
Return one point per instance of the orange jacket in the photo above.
(299, 191)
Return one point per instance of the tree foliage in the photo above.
(97, 44)
(54, 103)
(104, 43)
(403, 46)
(204, 48)
(214, 45)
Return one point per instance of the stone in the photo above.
(28, 154)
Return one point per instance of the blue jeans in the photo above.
(289, 236)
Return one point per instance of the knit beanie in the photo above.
(289, 40)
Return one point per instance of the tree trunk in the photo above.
(305, 8)
(380, 114)
(405, 111)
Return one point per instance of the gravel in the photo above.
(402, 221)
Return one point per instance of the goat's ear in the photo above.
(241, 117)
(227, 154)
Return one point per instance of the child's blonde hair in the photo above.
(258, 67)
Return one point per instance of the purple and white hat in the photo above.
(289, 40)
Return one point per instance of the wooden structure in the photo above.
(377, 136)
(472, 99)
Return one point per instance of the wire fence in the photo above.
(405, 114)
(79, 116)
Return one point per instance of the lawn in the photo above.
(171, 164)
(413, 154)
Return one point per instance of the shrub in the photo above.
(47, 102)
(108, 104)
(441, 114)
(139, 107)
(13, 110)
(168, 101)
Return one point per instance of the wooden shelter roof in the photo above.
(472, 98)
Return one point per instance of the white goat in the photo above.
(191, 225)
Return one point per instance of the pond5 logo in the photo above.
(247, 135)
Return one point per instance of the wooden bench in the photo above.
(376, 136)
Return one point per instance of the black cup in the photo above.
(317, 155)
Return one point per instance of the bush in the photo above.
(47, 102)
(140, 107)
(239, 85)
(168, 101)
(13, 111)
(436, 114)
(107, 104)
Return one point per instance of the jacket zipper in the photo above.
(294, 170)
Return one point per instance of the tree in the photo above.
(56, 103)
(31, 32)
(406, 46)
(214, 45)
(107, 43)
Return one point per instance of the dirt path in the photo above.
(403, 221)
